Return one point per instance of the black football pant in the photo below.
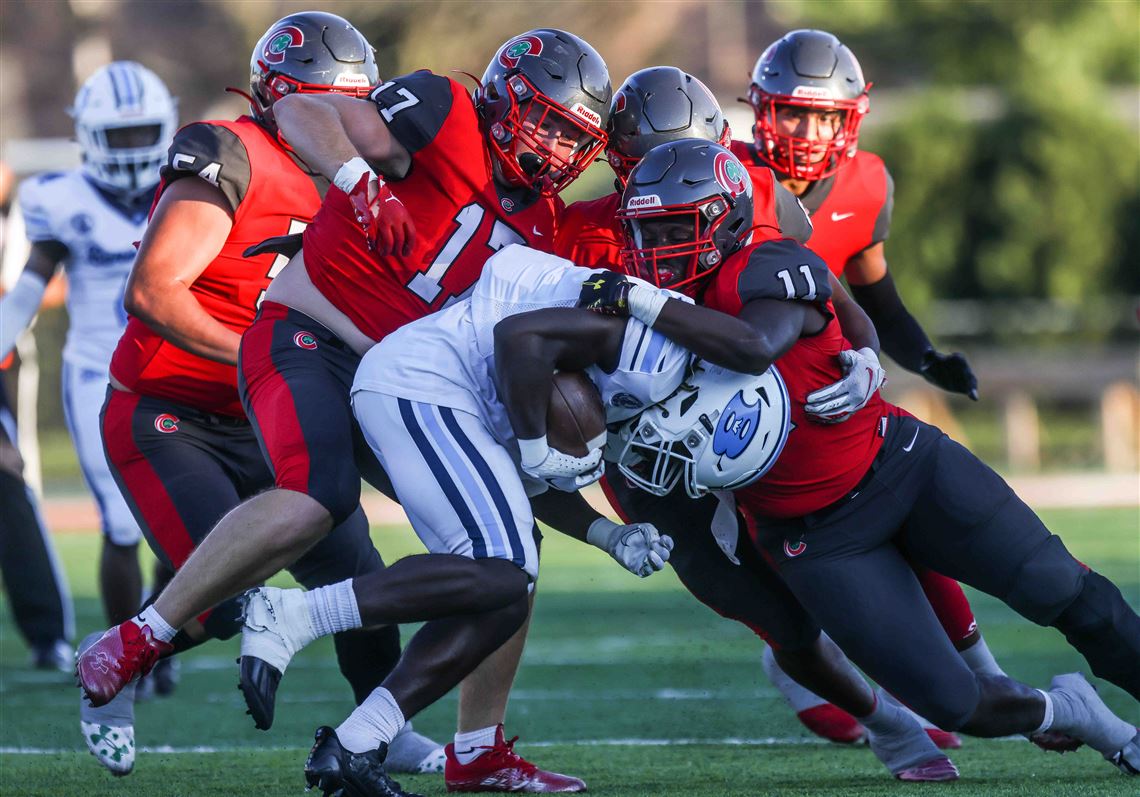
(932, 501)
(181, 470)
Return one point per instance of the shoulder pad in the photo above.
(784, 269)
(213, 152)
(414, 107)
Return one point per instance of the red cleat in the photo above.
(1055, 741)
(833, 724)
(121, 654)
(944, 740)
(938, 769)
(502, 769)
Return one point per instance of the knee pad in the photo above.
(1103, 627)
(366, 656)
(1046, 583)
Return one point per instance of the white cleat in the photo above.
(1091, 721)
(275, 625)
(109, 731)
(414, 754)
(908, 752)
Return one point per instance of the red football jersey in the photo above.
(270, 195)
(589, 233)
(850, 210)
(460, 214)
(820, 462)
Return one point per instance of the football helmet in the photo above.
(544, 101)
(720, 430)
(686, 206)
(307, 53)
(658, 105)
(124, 121)
(808, 69)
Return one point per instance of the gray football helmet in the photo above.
(686, 206)
(306, 53)
(540, 85)
(658, 105)
(808, 69)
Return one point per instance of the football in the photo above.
(575, 417)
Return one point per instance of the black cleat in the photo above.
(258, 684)
(165, 676)
(336, 772)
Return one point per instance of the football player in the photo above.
(846, 505)
(177, 438)
(458, 177)
(86, 220)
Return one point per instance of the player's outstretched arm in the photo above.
(902, 336)
(19, 306)
(189, 227)
(328, 130)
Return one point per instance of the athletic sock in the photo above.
(1047, 722)
(161, 629)
(472, 744)
(378, 719)
(333, 609)
(979, 658)
(799, 698)
(887, 716)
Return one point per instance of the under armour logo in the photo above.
(596, 284)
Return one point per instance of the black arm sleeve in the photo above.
(883, 220)
(414, 107)
(215, 154)
(899, 333)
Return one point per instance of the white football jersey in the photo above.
(447, 358)
(99, 236)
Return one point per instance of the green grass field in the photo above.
(629, 684)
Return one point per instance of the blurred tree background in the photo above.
(1010, 126)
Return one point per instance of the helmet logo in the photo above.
(737, 427)
(580, 110)
(730, 174)
(792, 550)
(813, 92)
(305, 340)
(166, 423)
(351, 79)
(647, 201)
(516, 48)
(279, 41)
(619, 103)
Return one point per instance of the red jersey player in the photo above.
(845, 505)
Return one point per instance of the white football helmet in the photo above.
(720, 430)
(124, 122)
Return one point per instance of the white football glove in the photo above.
(638, 547)
(561, 471)
(862, 376)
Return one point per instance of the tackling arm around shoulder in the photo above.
(19, 306)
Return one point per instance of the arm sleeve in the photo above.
(787, 270)
(414, 107)
(883, 220)
(214, 153)
(790, 213)
(900, 335)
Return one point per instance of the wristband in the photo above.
(350, 172)
(533, 451)
(645, 303)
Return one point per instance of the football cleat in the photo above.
(165, 676)
(413, 753)
(54, 655)
(909, 753)
(1127, 759)
(933, 771)
(943, 740)
(1054, 741)
(275, 625)
(337, 772)
(121, 654)
(1092, 721)
(109, 731)
(502, 769)
(832, 723)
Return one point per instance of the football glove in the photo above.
(606, 292)
(638, 547)
(385, 222)
(950, 372)
(561, 471)
(862, 376)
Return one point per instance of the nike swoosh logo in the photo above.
(910, 445)
(841, 216)
(536, 232)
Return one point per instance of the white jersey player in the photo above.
(87, 220)
(427, 400)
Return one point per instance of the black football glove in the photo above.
(606, 292)
(950, 372)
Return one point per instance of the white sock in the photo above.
(886, 717)
(159, 627)
(472, 744)
(378, 719)
(1047, 722)
(799, 698)
(979, 659)
(333, 609)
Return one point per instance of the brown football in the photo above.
(576, 415)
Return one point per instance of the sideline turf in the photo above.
(610, 657)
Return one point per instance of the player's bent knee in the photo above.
(1048, 581)
(1104, 628)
